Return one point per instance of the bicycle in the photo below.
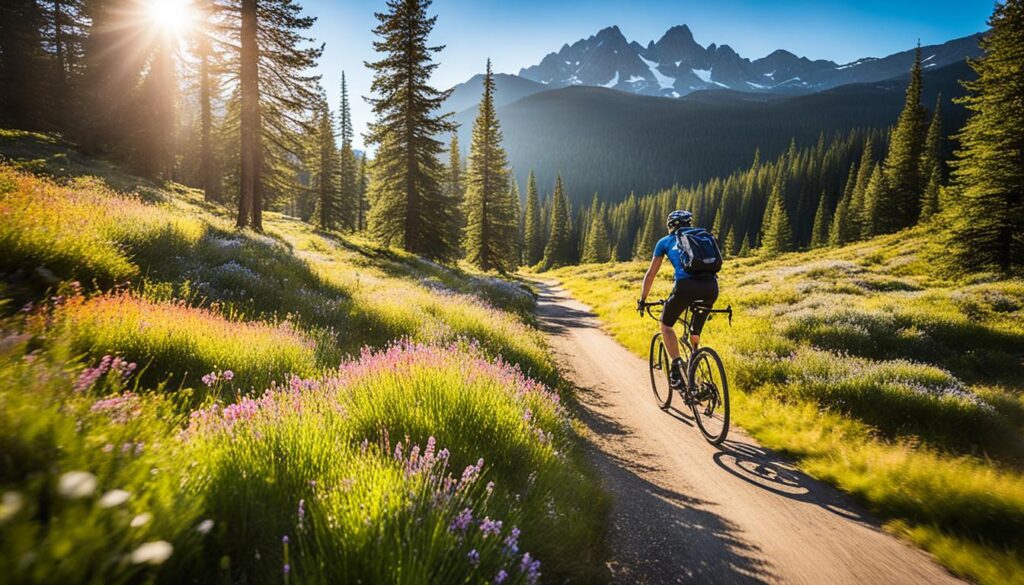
(707, 397)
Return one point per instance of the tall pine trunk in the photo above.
(250, 197)
(211, 184)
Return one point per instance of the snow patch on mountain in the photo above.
(613, 82)
(663, 80)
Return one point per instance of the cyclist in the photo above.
(688, 289)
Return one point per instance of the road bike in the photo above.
(705, 388)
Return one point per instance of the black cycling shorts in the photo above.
(685, 293)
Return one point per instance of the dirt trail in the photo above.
(685, 511)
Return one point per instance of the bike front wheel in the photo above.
(660, 365)
(709, 395)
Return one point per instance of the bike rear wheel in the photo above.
(660, 364)
(709, 395)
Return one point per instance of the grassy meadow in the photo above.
(877, 373)
(184, 402)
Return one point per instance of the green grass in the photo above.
(115, 306)
(879, 375)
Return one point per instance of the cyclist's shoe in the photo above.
(675, 374)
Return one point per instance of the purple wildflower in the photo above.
(462, 521)
(512, 541)
(228, 375)
(474, 557)
(531, 567)
(490, 527)
(501, 576)
(302, 511)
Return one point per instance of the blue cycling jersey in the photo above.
(668, 246)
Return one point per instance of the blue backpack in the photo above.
(702, 254)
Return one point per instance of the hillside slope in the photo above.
(611, 142)
(878, 375)
(181, 401)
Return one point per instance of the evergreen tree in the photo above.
(989, 170)
(533, 232)
(348, 171)
(557, 251)
(208, 65)
(325, 177)
(409, 206)
(274, 90)
(931, 164)
(515, 202)
(362, 186)
(898, 205)
(490, 233)
(22, 63)
(778, 233)
(596, 249)
(842, 229)
(819, 235)
(875, 196)
(649, 235)
(454, 189)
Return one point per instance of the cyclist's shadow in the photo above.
(769, 472)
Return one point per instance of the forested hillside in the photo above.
(612, 143)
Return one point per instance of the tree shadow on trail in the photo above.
(761, 468)
(661, 535)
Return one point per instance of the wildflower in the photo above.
(490, 527)
(284, 539)
(474, 557)
(490, 487)
(205, 527)
(228, 375)
(141, 520)
(512, 541)
(210, 379)
(287, 569)
(10, 505)
(531, 567)
(152, 553)
(501, 576)
(302, 511)
(113, 498)
(462, 521)
(76, 484)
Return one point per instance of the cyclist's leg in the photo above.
(673, 308)
(705, 290)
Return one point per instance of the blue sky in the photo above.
(518, 33)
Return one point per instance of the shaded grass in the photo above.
(877, 375)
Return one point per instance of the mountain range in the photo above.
(676, 65)
(680, 113)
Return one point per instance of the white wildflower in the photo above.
(76, 484)
(113, 498)
(152, 553)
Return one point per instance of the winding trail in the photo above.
(686, 512)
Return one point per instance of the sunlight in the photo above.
(173, 16)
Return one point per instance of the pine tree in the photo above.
(22, 62)
(362, 187)
(515, 202)
(454, 189)
(325, 177)
(778, 233)
(989, 170)
(596, 249)
(274, 90)
(875, 196)
(649, 235)
(348, 171)
(409, 206)
(842, 229)
(898, 205)
(489, 236)
(533, 231)
(208, 64)
(931, 164)
(819, 235)
(557, 252)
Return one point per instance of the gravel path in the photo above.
(687, 512)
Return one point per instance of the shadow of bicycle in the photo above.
(772, 473)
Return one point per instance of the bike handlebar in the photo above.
(646, 306)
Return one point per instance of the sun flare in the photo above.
(173, 16)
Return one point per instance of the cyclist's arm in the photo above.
(649, 277)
